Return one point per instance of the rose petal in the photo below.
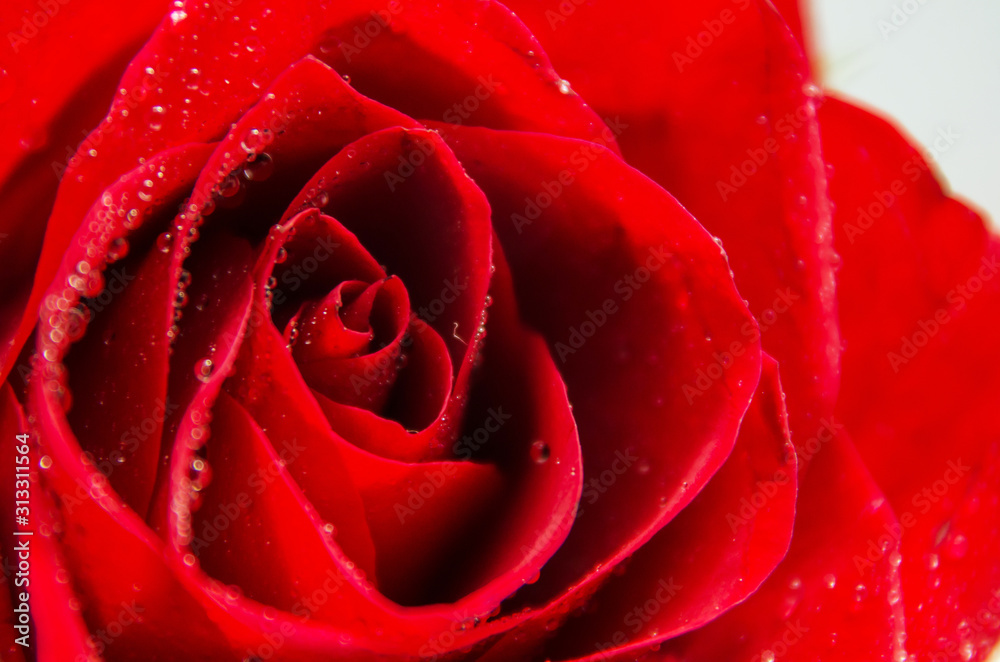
(305, 245)
(616, 261)
(116, 424)
(711, 557)
(698, 92)
(46, 581)
(279, 405)
(118, 369)
(361, 377)
(796, 15)
(336, 335)
(45, 124)
(244, 507)
(820, 603)
(445, 266)
(919, 301)
(465, 62)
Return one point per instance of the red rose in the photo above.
(358, 335)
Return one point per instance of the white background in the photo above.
(939, 69)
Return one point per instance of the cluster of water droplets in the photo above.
(187, 496)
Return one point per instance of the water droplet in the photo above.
(540, 452)
(94, 284)
(154, 119)
(830, 580)
(259, 169)
(177, 16)
(895, 559)
(860, 592)
(163, 242)
(117, 249)
(251, 141)
(45, 462)
(564, 87)
(933, 561)
(203, 370)
(229, 186)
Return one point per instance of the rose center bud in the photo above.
(349, 327)
(351, 346)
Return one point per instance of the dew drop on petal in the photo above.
(163, 242)
(154, 119)
(230, 186)
(540, 452)
(117, 249)
(203, 370)
(259, 169)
